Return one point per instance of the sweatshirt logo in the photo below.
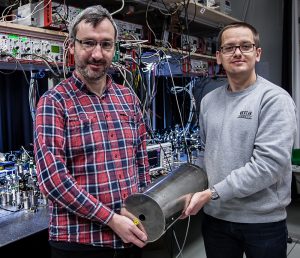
(245, 114)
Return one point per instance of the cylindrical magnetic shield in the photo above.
(163, 201)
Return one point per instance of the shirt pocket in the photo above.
(129, 128)
(83, 136)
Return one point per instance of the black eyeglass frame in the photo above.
(239, 47)
(82, 42)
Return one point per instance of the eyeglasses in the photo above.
(90, 44)
(244, 48)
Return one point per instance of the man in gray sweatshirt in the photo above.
(248, 128)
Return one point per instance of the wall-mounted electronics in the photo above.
(128, 30)
(31, 46)
(223, 6)
(160, 157)
(189, 43)
(46, 14)
(28, 48)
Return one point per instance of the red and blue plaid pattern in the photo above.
(90, 154)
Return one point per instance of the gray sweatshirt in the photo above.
(248, 137)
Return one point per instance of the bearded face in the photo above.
(92, 57)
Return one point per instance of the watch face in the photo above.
(214, 194)
(214, 197)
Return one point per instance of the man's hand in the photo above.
(198, 200)
(127, 230)
(135, 220)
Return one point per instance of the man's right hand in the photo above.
(127, 230)
(197, 201)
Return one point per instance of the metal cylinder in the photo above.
(163, 201)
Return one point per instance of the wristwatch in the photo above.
(214, 193)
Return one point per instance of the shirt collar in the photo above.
(82, 86)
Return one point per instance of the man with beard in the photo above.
(90, 149)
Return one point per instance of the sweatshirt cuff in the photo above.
(224, 190)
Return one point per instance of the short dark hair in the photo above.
(237, 25)
(94, 15)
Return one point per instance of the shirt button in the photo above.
(116, 156)
(112, 135)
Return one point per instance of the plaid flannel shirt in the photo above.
(90, 154)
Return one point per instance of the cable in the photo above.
(8, 8)
(148, 22)
(180, 115)
(119, 9)
(25, 151)
(169, 14)
(32, 96)
(246, 7)
(118, 66)
(66, 46)
(185, 238)
(47, 63)
(19, 209)
(3, 54)
(17, 64)
(64, 21)
(295, 243)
